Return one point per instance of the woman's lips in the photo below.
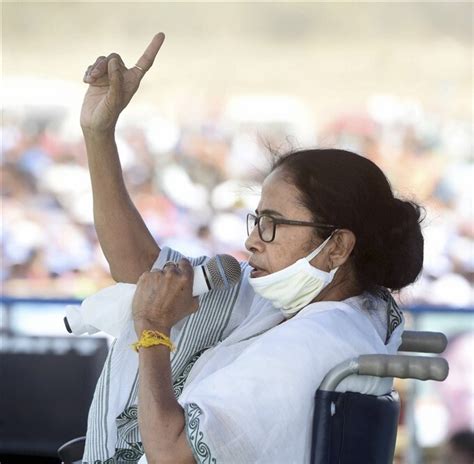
(257, 272)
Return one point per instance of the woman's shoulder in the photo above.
(369, 321)
(331, 325)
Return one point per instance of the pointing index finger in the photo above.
(145, 62)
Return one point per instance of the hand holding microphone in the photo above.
(164, 297)
(160, 297)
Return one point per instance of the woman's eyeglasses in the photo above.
(266, 225)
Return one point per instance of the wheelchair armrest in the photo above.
(423, 342)
(385, 365)
(404, 367)
(72, 451)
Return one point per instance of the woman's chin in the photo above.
(257, 273)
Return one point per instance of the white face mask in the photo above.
(295, 286)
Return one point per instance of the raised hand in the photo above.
(112, 86)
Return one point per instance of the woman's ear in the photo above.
(340, 247)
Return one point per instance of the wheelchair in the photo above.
(350, 427)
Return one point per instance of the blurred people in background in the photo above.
(460, 448)
(457, 393)
(49, 245)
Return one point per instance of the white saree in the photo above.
(245, 381)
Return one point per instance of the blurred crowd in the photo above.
(194, 174)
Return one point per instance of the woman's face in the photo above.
(281, 199)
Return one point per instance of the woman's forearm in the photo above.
(160, 416)
(125, 240)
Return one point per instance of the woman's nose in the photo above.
(254, 242)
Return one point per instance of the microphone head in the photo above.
(223, 271)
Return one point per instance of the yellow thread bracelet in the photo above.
(153, 338)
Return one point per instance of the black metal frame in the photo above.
(257, 218)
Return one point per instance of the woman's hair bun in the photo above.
(403, 245)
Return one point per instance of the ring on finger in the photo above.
(169, 262)
(143, 71)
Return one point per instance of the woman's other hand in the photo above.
(112, 86)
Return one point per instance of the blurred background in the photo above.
(391, 81)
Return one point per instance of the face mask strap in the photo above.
(320, 247)
(333, 271)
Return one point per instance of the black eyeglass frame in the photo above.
(256, 222)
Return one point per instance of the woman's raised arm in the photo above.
(126, 242)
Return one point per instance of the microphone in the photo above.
(222, 271)
(110, 309)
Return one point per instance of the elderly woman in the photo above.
(326, 242)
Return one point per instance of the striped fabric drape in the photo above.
(192, 336)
